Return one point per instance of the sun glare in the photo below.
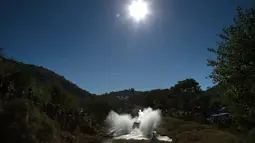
(138, 9)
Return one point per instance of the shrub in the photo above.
(251, 136)
(21, 121)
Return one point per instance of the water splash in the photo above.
(149, 120)
(122, 124)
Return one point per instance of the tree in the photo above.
(235, 62)
(189, 85)
(184, 92)
(58, 96)
(1, 52)
(132, 90)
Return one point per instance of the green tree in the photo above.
(58, 96)
(132, 90)
(235, 62)
(189, 85)
(70, 100)
(1, 52)
(99, 109)
(251, 136)
(184, 92)
(21, 121)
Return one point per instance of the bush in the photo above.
(21, 121)
(251, 136)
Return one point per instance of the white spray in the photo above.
(149, 119)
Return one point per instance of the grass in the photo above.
(189, 132)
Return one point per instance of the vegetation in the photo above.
(38, 105)
(1, 52)
(234, 65)
(22, 122)
(191, 132)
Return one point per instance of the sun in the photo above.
(138, 9)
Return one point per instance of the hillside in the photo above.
(40, 79)
(49, 86)
(178, 102)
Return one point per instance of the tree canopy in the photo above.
(1, 52)
(235, 62)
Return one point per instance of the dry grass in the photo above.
(190, 132)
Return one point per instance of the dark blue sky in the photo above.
(84, 41)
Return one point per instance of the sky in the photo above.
(96, 45)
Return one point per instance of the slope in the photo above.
(40, 79)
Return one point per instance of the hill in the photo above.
(178, 102)
(49, 86)
(41, 80)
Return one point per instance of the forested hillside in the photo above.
(44, 82)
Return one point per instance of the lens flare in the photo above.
(138, 9)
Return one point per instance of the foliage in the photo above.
(234, 65)
(40, 80)
(1, 53)
(58, 96)
(99, 109)
(188, 85)
(22, 122)
(251, 136)
(187, 94)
